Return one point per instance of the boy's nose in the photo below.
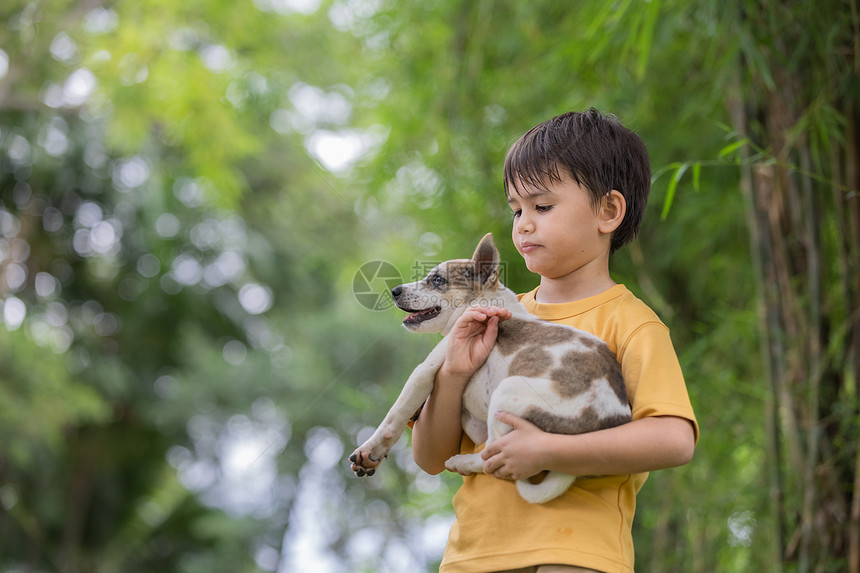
(523, 224)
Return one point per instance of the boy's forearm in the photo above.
(643, 445)
(437, 432)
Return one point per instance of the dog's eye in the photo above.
(438, 280)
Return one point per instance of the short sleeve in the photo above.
(655, 383)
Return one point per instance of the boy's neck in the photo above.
(573, 287)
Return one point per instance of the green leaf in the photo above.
(646, 37)
(670, 190)
(697, 172)
(732, 147)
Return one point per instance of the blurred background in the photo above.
(202, 204)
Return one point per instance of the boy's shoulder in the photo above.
(636, 306)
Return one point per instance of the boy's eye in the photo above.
(543, 208)
(517, 213)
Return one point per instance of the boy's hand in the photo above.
(437, 432)
(471, 340)
(517, 454)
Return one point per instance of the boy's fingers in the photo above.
(471, 315)
(468, 323)
(499, 311)
(483, 312)
(486, 454)
(508, 418)
(504, 314)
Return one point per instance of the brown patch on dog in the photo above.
(614, 420)
(512, 332)
(587, 421)
(613, 375)
(532, 361)
(591, 343)
(554, 424)
(578, 369)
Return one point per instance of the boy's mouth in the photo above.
(419, 316)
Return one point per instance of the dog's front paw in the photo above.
(363, 462)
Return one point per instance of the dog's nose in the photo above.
(397, 291)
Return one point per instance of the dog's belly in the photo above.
(475, 429)
(476, 397)
(475, 408)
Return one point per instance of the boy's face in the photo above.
(556, 229)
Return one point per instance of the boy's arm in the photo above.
(643, 445)
(437, 432)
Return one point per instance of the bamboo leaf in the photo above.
(673, 185)
(646, 37)
(657, 174)
(756, 60)
(732, 147)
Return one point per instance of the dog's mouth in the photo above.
(419, 316)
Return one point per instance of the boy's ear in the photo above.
(486, 259)
(612, 211)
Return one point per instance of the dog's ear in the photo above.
(486, 259)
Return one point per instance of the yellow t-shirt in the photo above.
(590, 524)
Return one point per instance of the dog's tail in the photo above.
(552, 486)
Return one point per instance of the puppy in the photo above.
(561, 379)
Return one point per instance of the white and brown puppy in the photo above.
(559, 378)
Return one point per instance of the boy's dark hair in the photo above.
(597, 151)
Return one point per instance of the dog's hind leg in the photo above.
(505, 397)
(518, 395)
(521, 395)
(465, 464)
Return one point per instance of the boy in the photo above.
(577, 185)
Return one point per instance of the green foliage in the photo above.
(39, 399)
(194, 367)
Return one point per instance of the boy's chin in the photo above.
(534, 265)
